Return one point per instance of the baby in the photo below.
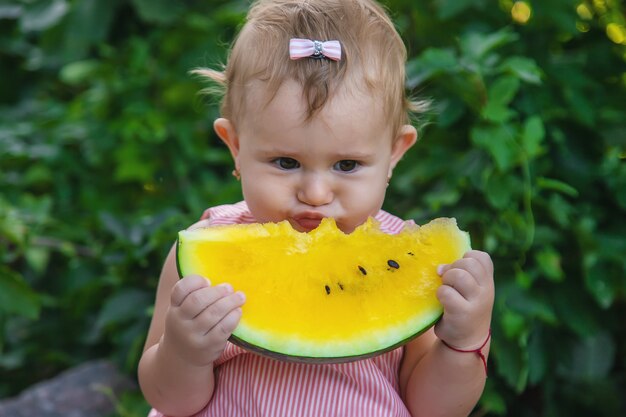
(316, 118)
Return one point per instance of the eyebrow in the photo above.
(356, 155)
(353, 155)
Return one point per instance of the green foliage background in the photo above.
(106, 151)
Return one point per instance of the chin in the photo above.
(347, 229)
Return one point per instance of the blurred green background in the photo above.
(106, 151)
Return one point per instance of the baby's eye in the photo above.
(346, 165)
(287, 163)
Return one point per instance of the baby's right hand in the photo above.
(200, 319)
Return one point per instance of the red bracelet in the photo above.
(478, 351)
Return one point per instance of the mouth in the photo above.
(305, 222)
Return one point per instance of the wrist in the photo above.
(468, 343)
(476, 350)
(167, 354)
(173, 385)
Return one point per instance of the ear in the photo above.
(227, 133)
(406, 137)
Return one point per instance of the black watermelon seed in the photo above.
(340, 286)
(393, 264)
(410, 253)
(327, 289)
(363, 271)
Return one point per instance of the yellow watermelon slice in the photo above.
(326, 296)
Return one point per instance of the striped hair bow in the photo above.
(302, 48)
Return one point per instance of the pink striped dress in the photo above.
(253, 386)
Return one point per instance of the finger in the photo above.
(201, 299)
(471, 266)
(228, 324)
(474, 263)
(462, 281)
(452, 301)
(484, 259)
(217, 311)
(185, 286)
(220, 333)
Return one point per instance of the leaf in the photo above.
(549, 261)
(599, 281)
(126, 305)
(113, 225)
(540, 309)
(441, 197)
(42, 15)
(16, 297)
(77, 72)
(556, 185)
(499, 95)
(537, 358)
(491, 401)
(512, 363)
(526, 69)
(531, 306)
(580, 105)
(451, 111)
(38, 174)
(513, 324)
(503, 90)
(88, 23)
(431, 62)
(497, 113)
(576, 311)
(501, 189)
(10, 11)
(498, 141)
(533, 134)
(158, 11)
(133, 164)
(450, 8)
(37, 258)
(475, 45)
(468, 86)
(12, 228)
(592, 358)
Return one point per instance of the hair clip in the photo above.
(307, 48)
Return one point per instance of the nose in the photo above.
(315, 190)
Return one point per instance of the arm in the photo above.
(192, 321)
(434, 379)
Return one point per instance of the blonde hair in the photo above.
(373, 56)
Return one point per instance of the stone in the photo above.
(86, 390)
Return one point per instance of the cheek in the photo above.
(265, 202)
(368, 191)
(362, 202)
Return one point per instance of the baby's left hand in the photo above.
(467, 295)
